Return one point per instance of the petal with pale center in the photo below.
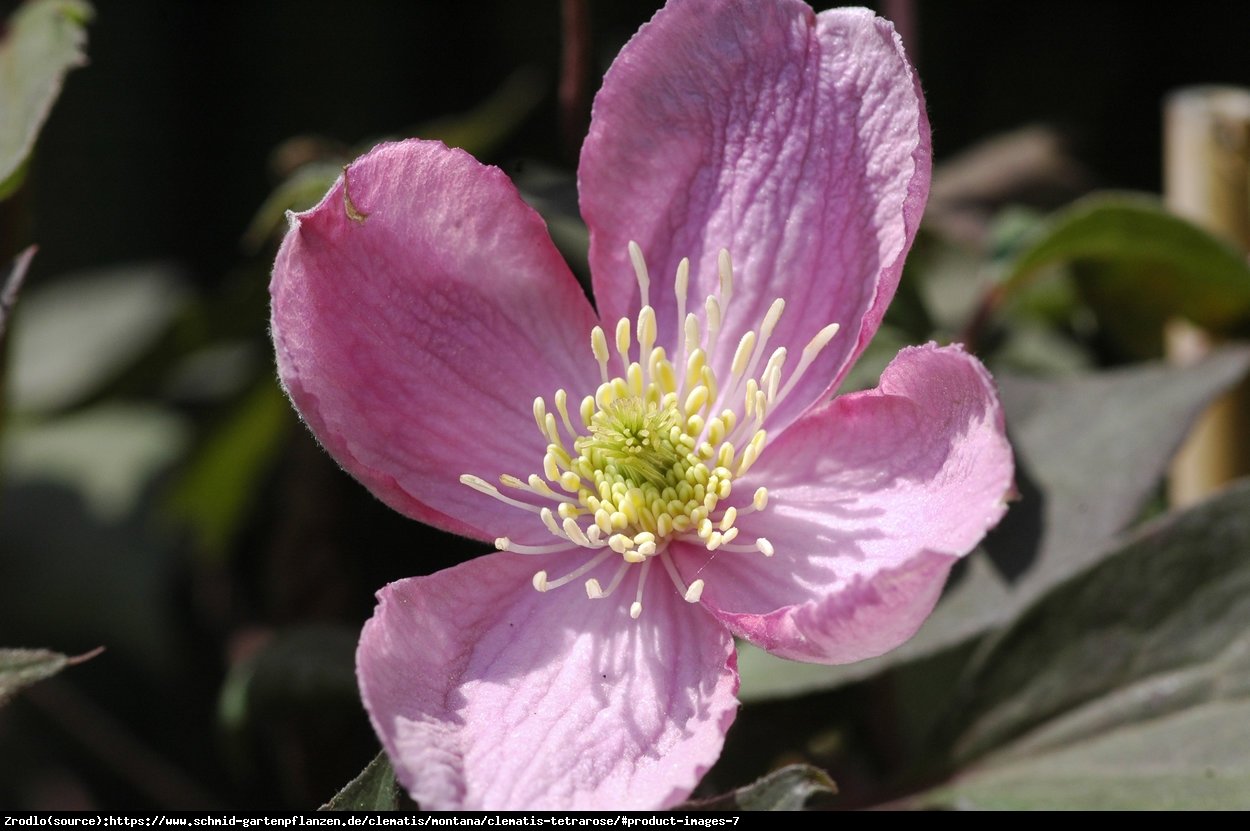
(872, 499)
(490, 695)
(798, 142)
(417, 311)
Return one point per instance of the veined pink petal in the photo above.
(416, 316)
(489, 695)
(798, 142)
(872, 499)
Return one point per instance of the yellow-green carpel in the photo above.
(652, 454)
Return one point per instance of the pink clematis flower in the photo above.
(662, 471)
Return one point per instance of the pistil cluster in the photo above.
(652, 456)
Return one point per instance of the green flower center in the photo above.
(652, 455)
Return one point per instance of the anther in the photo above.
(622, 340)
(599, 346)
(540, 414)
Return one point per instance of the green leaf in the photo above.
(375, 789)
(74, 335)
(1139, 265)
(107, 454)
(1090, 451)
(787, 789)
(22, 667)
(489, 123)
(298, 192)
(299, 667)
(1128, 687)
(480, 130)
(44, 40)
(221, 483)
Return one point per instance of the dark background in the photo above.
(159, 148)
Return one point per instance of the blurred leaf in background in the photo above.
(42, 41)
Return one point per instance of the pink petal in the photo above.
(873, 498)
(414, 341)
(489, 695)
(798, 142)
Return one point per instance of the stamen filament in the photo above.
(482, 486)
(635, 608)
(810, 352)
(505, 544)
(594, 592)
(640, 272)
(653, 453)
(681, 285)
(574, 574)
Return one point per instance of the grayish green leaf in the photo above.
(44, 40)
(1127, 687)
(375, 789)
(107, 454)
(787, 789)
(74, 334)
(23, 667)
(1090, 451)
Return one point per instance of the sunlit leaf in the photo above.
(1128, 687)
(375, 789)
(43, 40)
(1090, 451)
(788, 789)
(1138, 265)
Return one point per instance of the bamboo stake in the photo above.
(1207, 180)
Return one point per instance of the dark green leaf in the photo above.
(787, 789)
(480, 130)
(375, 789)
(43, 41)
(1090, 451)
(1139, 265)
(226, 473)
(1127, 687)
(307, 666)
(299, 192)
